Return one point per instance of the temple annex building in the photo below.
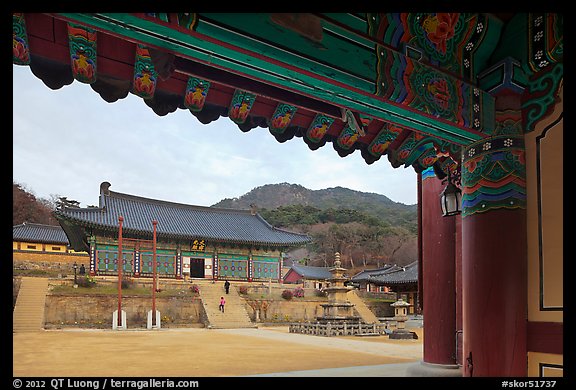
(195, 241)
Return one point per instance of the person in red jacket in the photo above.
(222, 303)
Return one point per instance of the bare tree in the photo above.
(63, 201)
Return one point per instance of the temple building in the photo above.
(309, 276)
(37, 237)
(191, 241)
(403, 280)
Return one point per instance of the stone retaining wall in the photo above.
(51, 263)
(96, 311)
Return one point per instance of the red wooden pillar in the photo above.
(494, 281)
(154, 287)
(119, 270)
(458, 267)
(420, 303)
(438, 276)
(494, 253)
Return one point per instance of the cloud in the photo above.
(74, 140)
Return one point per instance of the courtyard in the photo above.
(200, 352)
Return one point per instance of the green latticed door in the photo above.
(107, 260)
(165, 263)
(265, 267)
(233, 267)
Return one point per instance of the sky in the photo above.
(68, 141)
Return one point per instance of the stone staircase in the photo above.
(28, 314)
(366, 315)
(234, 316)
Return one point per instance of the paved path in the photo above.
(199, 352)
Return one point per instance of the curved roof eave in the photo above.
(176, 236)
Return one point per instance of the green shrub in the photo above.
(86, 281)
(127, 283)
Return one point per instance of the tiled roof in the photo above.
(367, 273)
(179, 221)
(406, 274)
(311, 272)
(35, 232)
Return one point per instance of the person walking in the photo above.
(222, 303)
(227, 286)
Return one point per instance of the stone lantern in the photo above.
(401, 316)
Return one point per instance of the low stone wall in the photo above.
(56, 263)
(303, 309)
(282, 311)
(381, 309)
(16, 282)
(96, 311)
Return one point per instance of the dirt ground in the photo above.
(197, 352)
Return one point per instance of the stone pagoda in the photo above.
(338, 317)
(338, 308)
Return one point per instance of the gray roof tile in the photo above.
(35, 232)
(178, 220)
(311, 272)
(406, 274)
(368, 273)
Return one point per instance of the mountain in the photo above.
(272, 196)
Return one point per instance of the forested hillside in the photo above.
(367, 229)
(272, 196)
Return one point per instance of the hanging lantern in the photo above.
(451, 199)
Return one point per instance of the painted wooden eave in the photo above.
(274, 66)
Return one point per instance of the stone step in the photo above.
(232, 326)
(366, 315)
(235, 315)
(28, 314)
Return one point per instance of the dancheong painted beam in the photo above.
(412, 86)
(227, 41)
